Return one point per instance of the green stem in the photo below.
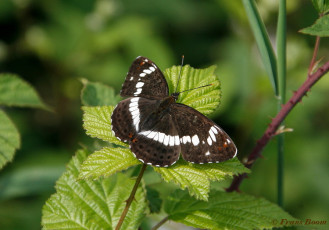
(131, 197)
(164, 220)
(281, 64)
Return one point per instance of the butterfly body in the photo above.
(158, 129)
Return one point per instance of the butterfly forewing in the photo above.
(144, 79)
(202, 140)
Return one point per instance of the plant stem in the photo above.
(281, 64)
(273, 126)
(164, 220)
(315, 52)
(131, 197)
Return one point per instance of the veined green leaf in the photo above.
(319, 28)
(322, 6)
(97, 123)
(79, 204)
(9, 139)
(224, 211)
(106, 162)
(16, 92)
(263, 42)
(205, 99)
(97, 94)
(197, 177)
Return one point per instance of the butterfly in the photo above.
(158, 129)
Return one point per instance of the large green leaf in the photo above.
(319, 28)
(197, 177)
(97, 94)
(97, 123)
(16, 92)
(86, 204)
(9, 139)
(205, 99)
(106, 162)
(224, 211)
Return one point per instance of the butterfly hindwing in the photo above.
(144, 79)
(159, 145)
(201, 140)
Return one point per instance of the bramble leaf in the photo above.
(205, 99)
(97, 94)
(14, 91)
(97, 123)
(9, 139)
(319, 28)
(224, 211)
(322, 6)
(88, 204)
(107, 161)
(197, 177)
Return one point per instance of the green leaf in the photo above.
(263, 42)
(197, 177)
(80, 204)
(97, 94)
(16, 92)
(154, 200)
(9, 139)
(319, 28)
(97, 123)
(224, 211)
(205, 99)
(106, 162)
(322, 6)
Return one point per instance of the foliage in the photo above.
(224, 211)
(319, 28)
(14, 91)
(85, 204)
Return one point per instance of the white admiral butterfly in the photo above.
(158, 129)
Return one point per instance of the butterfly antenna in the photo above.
(180, 72)
(196, 88)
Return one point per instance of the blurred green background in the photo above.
(53, 44)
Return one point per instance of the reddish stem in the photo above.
(315, 52)
(271, 129)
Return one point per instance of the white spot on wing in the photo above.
(139, 84)
(142, 74)
(141, 160)
(214, 129)
(209, 141)
(171, 140)
(138, 91)
(212, 135)
(161, 137)
(207, 153)
(166, 140)
(177, 140)
(147, 71)
(195, 140)
(152, 68)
